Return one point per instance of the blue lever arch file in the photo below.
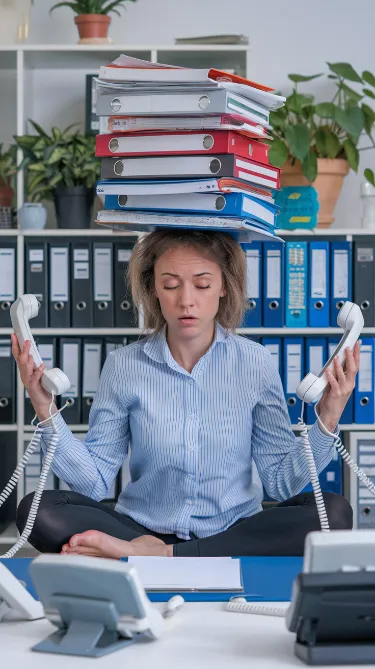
(318, 285)
(273, 281)
(296, 284)
(274, 345)
(293, 373)
(364, 410)
(254, 274)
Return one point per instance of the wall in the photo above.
(289, 36)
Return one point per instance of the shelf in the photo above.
(268, 332)
(92, 56)
(297, 331)
(93, 232)
(325, 232)
(9, 428)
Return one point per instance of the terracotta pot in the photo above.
(6, 194)
(328, 184)
(93, 27)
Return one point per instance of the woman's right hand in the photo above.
(30, 377)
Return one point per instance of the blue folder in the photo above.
(341, 277)
(347, 416)
(293, 364)
(331, 478)
(254, 264)
(239, 205)
(273, 285)
(315, 359)
(364, 408)
(274, 345)
(296, 260)
(319, 282)
(265, 578)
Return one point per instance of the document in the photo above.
(161, 573)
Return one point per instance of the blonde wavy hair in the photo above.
(216, 246)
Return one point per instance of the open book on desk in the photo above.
(214, 574)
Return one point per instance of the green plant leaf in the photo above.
(327, 143)
(369, 93)
(345, 70)
(310, 166)
(369, 78)
(277, 153)
(351, 120)
(369, 175)
(369, 118)
(352, 154)
(350, 93)
(325, 109)
(299, 78)
(298, 139)
(38, 128)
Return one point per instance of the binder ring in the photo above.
(125, 305)
(114, 145)
(89, 401)
(122, 200)
(58, 306)
(203, 102)
(215, 165)
(220, 203)
(102, 306)
(4, 402)
(118, 167)
(318, 305)
(81, 306)
(116, 104)
(291, 401)
(366, 511)
(5, 306)
(208, 142)
(273, 305)
(340, 304)
(252, 304)
(70, 401)
(365, 305)
(364, 401)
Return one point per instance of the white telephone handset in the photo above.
(350, 319)
(26, 307)
(55, 382)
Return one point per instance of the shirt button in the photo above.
(191, 448)
(191, 476)
(192, 416)
(189, 501)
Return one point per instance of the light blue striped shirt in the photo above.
(193, 437)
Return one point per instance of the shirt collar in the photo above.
(156, 347)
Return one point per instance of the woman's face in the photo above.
(189, 288)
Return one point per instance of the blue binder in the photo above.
(296, 284)
(347, 417)
(293, 373)
(273, 282)
(341, 277)
(254, 272)
(364, 409)
(331, 478)
(274, 345)
(315, 359)
(319, 281)
(240, 205)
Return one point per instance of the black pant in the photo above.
(280, 530)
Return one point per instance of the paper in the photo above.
(7, 274)
(59, 274)
(160, 573)
(341, 271)
(91, 369)
(102, 274)
(273, 274)
(318, 273)
(252, 273)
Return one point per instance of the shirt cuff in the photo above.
(319, 440)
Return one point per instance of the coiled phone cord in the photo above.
(35, 441)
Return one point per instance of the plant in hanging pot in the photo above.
(92, 18)
(8, 170)
(62, 167)
(317, 143)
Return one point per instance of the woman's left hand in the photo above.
(340, 387)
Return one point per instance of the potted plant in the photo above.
(318, 142)
(8, 169)
(62, 166)
(92, 18)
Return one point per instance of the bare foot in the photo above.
(98, 544)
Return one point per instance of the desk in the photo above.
(201, 636)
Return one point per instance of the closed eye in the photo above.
(174, 287)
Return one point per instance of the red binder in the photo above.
(177, 143)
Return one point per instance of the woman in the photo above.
(198, 404)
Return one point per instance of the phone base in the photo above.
(341, 654)
(84, 638)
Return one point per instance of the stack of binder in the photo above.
(182, 148)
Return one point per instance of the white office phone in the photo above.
(14, 599)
